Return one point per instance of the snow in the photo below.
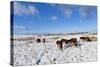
(26, 53)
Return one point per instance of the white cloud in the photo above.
(30, 22)
(22, 9)
(17, 27)
(22, 27)
(54, 17)
(53, 4)
(85, 11)
(68, 13)
(33, 10)
(80, 20)
(66, 10)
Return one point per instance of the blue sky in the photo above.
(31, 17)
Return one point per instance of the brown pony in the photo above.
(85, 39)
(59, 44)
(44, 40)
(38, 40)
(72, 42)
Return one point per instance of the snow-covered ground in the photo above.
(32, 53)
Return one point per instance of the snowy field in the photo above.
(32, 53)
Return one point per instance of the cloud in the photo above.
(30, 22)
(68, 13)
(53, 5)
(22, 9)
(66, 10)
(85, 11)
(20, 27)
(54, 18)
(81, 21)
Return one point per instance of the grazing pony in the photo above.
(85, 39)
(93, 38)
(38, 40)
(44, 40)
(59, 44)
(63, 40)
(72, 42)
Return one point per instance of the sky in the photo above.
(35, 17)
